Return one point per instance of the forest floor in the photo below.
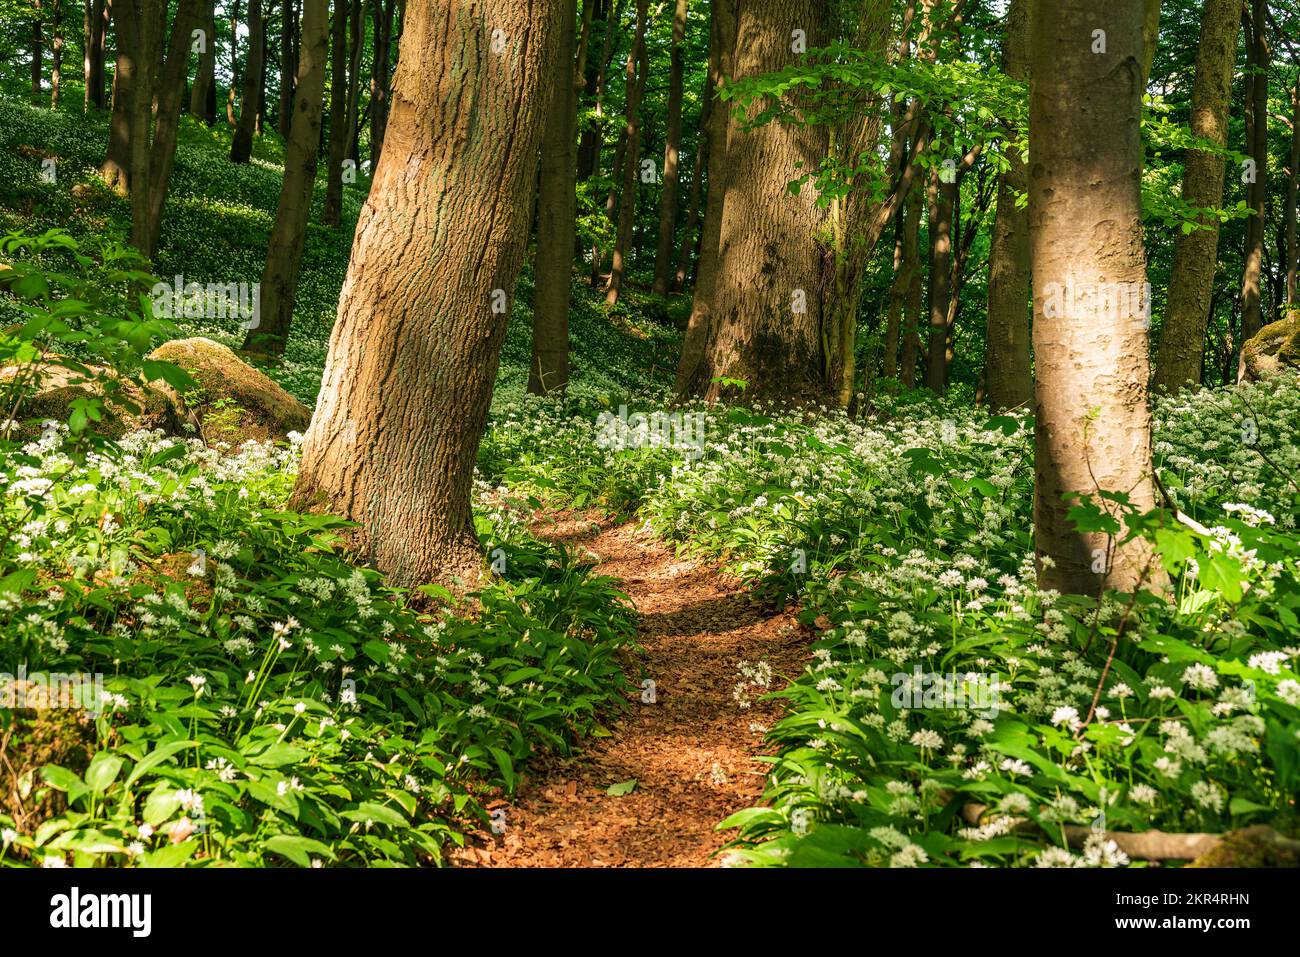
(694, 753)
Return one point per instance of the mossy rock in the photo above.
(1274, 349)
(233, 402)
(127, 405)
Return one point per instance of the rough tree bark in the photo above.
(556, 211)
(241, 146)
(1252, 313)
(279, 284)
(1008, 381)
(1093, 424)
(768, 299)
(672, 144)
(422, 315)
(1191, 279)
(636, 80)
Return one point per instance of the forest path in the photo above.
(692, 753)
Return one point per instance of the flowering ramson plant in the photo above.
(907, 536)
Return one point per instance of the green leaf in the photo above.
(103, 771)
(157, 756)
(296, 848)
(622, 789)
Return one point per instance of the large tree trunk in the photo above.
(1191, 279)
(768, 298)
(284, 253)
(1008, 381)
(206, 76)
(672, 143)
(636, 79)
(241, 146)
(288, 66)
(1093, 424)
(423, 311)
(556, 210)
(1252, 313)
(331, 214)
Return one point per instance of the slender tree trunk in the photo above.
(768, 295)
(206, 74)
(636, 79)
(672, 143)
(1292, 201)
(168, 94)
(1191, 279)
(259, 119)
(722, 42)
(1092, 424)
(234, 64)
(556, 210)
(356, 43)
(1008, 381)
(421, 322)
(382, 11)
(941, 196)
(279, 284)
(288, 65)
(856, 223)
(331, 215)
(912, 300)
(93, 60)
(241, 146)
(596, 134)
(38, 49)
(690, 235)
(56, 64)
(116, 168)
(1252, 313)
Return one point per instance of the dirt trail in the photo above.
(692, 753)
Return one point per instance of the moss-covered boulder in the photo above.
(50, 391)
(1275, 349)
(233, 402)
